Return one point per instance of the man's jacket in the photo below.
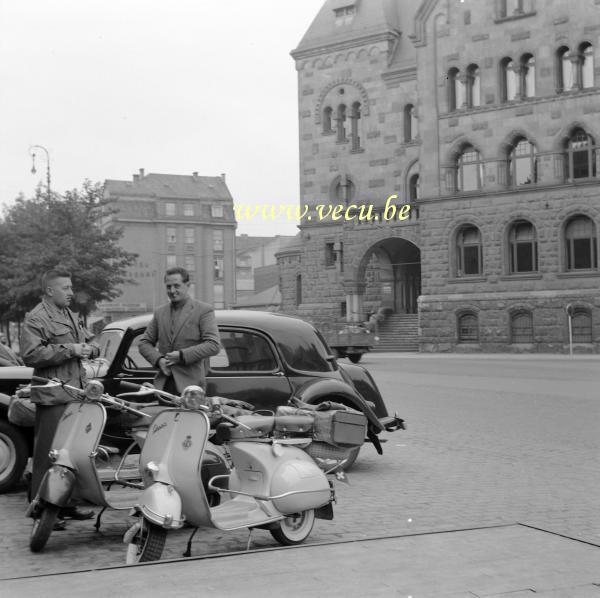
(47, 339)
(196, 336)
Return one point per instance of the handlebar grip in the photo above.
(39, 379)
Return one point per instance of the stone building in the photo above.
(174, 220)
(483, 116)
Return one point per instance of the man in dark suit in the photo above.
(180, 336)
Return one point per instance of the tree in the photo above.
(71, 232)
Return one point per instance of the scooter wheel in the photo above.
(147, 543)
(295, 528)
(42, 527)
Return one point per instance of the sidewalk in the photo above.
(512, 561)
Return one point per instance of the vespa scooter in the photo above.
(76, 453)
(273, 484)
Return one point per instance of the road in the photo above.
(490, 440)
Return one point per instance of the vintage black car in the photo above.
(266, 359)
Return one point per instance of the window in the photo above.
(340, 120)
(469, 170)
(190, 265)
(527, 76)
(330, 256)
(414, 188)
(218, 296)
(469, 251)
(580, 162)
(473, 86)
(564, 69)
(522, 164)
(586, 61)
(509, 81)
(411, 124)
(170, 209)
(188, 209)
(343, 190)
(246, 352)
(171, 261)
(134, 359)
(327, 113)
(522, 242)
(581, 244)
(468, 328)
(581, 326)
(456, 90)
(216, 210)
(298, 289)
(344, 15)
(218, 268)
(521, 327)
(354, 129)
(189, 236)
(509, 8)
(171, 235)
(217, 240)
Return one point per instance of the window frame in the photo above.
(518, 338)
(460, 336)
(514, 244)
(571, 250)
(461, 163)
(460, 245)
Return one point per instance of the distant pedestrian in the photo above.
(53, 342)
(180, 336)
(7, 356)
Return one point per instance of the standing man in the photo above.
(53, 342)
(186, 333)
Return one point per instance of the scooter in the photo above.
(82, 470)
(274, 484)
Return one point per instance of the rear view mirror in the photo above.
(220, 360)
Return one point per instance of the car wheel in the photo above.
(13, 455)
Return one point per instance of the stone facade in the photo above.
(443, 105)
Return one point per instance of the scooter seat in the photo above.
(260, 426)
(294, 425)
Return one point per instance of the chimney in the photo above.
(223, 176)
(141, 173)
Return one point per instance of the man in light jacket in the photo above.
(180, 336)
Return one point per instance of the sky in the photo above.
(112, 86)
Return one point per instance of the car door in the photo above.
(248, 368)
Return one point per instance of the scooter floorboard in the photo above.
(240, 512)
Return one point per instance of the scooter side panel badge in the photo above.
(187, 442)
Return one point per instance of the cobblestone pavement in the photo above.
(490, 440)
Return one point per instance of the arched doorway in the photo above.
(391, 271)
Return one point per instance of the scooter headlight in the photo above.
(151, 469)
(194, 397)
(53, 455)
(94, 389)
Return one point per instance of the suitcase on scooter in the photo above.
(345, 428)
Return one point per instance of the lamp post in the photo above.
(33, 170)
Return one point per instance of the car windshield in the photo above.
(109, 341)
(308, 353)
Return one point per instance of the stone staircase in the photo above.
(398, 332)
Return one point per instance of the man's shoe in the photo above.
(59, 525)
(75, 513)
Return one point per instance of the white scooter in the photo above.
(273, 484)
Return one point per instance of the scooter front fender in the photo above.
(57, 485)
(161, 504)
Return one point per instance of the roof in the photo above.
(171, 185)
(270, 296)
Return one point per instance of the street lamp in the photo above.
(32, 149)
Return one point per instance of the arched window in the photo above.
(521, 327)
(469, 170)
(586, 61)
(414, 188)
(468, 251)
(580, 159)
(343, 190)
(509, 8)
(473, 86)
(354, 128)
(581, 326)
(327, 114)
(522, 246)
(528, 76)
(468, 328)
(564, 69)
(298, 289)
(456, 90)
(340, 122)
(411, 125)
(508, 80)
(581, 244)
(522, 163)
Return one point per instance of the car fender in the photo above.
(316, 391)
